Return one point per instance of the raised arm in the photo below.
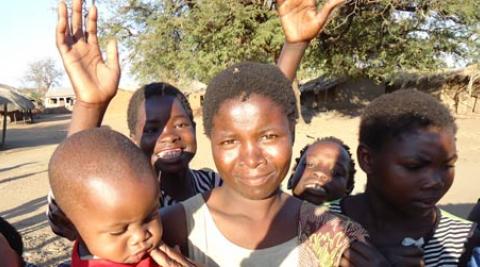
(94, 81)
(301, 22)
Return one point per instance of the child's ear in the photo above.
(365, 158)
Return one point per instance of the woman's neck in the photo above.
(257, 209)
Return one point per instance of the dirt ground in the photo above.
(24, 164)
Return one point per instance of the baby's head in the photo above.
(108, 190)
(324, 171)
(161, 123)
(249, 114)
(407, 149)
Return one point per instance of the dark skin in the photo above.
(323, 168)
(166, 133)
(251, 145)
(253, 157)
(475, 214)
(95, 80)
(403, 189)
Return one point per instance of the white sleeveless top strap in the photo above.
(208, 246)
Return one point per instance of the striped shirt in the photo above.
(203, 180)
(447, 243)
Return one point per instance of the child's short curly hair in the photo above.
(330, 139)
(399, 112)
(150, 90)
(244, 79)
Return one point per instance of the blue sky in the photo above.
(27, 30)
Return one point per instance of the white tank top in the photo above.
(208, 246)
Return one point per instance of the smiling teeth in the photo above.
(315, 186)
(169, 154)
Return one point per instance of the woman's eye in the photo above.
(269, 136)
(227, 142)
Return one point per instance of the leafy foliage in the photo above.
(176, 39)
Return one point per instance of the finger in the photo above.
(327, 10)
(335, 3)
(354, 258)
(77, 21)
(62, 33)
(92, 26)
(176, 256)
(112, 55)
(161, 258)
(345, 263)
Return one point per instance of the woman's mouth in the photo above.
(255, 180)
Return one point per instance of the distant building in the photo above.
(59, 97)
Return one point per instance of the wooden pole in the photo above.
(4, 123)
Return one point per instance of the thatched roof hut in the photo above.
(459, 89)
(11, 100)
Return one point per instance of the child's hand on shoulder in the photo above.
(166, 256)
(362, 253)
(94, 80)
(300, 19)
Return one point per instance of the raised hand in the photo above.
(301, 21)
(94, 80)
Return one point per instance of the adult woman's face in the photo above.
(252, 145)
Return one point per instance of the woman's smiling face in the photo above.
(252, 142)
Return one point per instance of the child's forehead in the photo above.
(322, 145)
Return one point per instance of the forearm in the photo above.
(86, 116)
(290, 58)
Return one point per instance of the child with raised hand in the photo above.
(323, 172)
(407, 149)
(250, 115)
(160, 118)
(108, 191)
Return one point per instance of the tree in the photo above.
(43, 74)
(175, 39)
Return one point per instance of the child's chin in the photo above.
(136, 258)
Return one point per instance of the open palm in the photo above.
(94, 80)
(301, 21)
